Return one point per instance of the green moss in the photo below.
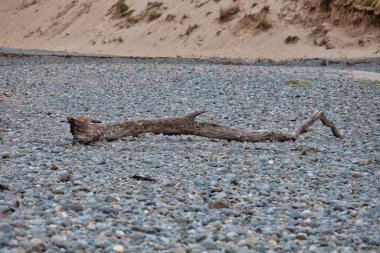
(298, 82)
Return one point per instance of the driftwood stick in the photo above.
(86, 130)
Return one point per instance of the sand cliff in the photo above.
(273, 29)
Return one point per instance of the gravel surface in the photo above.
(318, 194)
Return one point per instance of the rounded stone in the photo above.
(6, 228)
(118, 248)
(119, 233)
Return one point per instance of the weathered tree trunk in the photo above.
(86, 130)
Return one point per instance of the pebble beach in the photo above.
(159, 193)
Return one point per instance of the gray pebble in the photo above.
(74, 207)
(230, 248)
(64, 177)
(210, 195)
(209, 244)
(6, 228)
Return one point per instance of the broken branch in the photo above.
(86, 130)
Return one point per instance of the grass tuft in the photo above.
(325, 5)
(121, 7)
(373, 82)
(264, 25)
(226, 14)
(265, 9)
(127, 14)
(121, 10)
(153, 10)
(154, 15)
(260, 19)
(369, 3)
(291, 39)
(153, 6)
(298, 82)
(263, 22)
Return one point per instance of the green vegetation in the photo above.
(121, 7)
(298, 82)
(153, 6)
(325, 5)
(119, 40)
(122, 10)
(264, 25)
(225, 14)
(373, 82)
(263, 22)
(153, 10)
(128, 13)
(291, 39)
(260, 19)
(154, 15)
(371, 3)
(265, 9)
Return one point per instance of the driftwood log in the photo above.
(86, 130)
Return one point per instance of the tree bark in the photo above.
(87, 130)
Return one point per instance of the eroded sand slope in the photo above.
(182, 28)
